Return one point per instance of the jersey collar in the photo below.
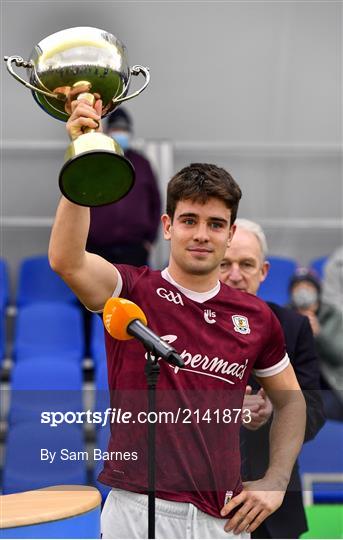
(200, 297)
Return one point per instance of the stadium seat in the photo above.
(321, 465)
(324, 521)
(100, 379)
(97, 340)
(275, 287)
(39, 385)
(317, 265)
(4, 284)
(38, 283)
(2, 336)
(52, 330)
(102, 398)
(25, 470)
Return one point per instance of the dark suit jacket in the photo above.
(289, 520)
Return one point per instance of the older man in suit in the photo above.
(245, 267)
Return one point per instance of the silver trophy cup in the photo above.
(91, 64)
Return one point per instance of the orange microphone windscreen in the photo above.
(118, 314)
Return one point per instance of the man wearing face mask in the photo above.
(326, 322)
(123, 232)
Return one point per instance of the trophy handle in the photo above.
(135, 70)
(19, 62)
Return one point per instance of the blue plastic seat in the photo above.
(275, 286)
(324, 456)
(39, 385)
(2, 336)
(4, 284)
(317, 265)
(102, 395)
(100, 379)
(97, 340)
(38, 283)
(41, 374)
(49, 329)
(25, 470)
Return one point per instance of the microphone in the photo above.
(124, 320)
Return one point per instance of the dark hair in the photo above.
(200, 181)
(305, 274)
(119, 119)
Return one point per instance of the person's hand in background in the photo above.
(260, 408)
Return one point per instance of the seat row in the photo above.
(321, 465)
(37, 456)
(47, 349)
(275, 287)
(47, 408)
(29, 465)
(40, 385)
(38, 283)
(55, 331)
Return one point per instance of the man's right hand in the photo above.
(83, 115)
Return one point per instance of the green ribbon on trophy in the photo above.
(87, 63)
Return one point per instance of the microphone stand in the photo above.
(152, 370)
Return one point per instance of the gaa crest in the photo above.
(241, 324)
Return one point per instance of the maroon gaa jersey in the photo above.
(222, 336)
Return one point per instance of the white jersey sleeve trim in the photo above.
(273, 370)
(116, 292)
(119, 286)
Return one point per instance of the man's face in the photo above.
(198, 234)
(305, 296)
(243, 266)
(122, 136)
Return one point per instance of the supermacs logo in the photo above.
(211, 367)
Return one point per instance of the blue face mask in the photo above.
(122, 138)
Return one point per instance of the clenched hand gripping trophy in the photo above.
(87, 63)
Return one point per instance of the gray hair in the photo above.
(257, 230)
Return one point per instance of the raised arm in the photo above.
(92, 278)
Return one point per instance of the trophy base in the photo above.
(96, 178)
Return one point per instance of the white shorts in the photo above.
(125, 515)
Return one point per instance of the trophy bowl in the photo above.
(84, 63)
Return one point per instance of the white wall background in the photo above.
(252, 86)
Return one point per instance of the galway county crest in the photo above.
(241, 324)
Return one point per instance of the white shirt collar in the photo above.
(200, 297)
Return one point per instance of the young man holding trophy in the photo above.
(80, 75)
(223, 335)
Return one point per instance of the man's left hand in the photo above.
(258, 500)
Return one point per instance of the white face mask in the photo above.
(303, 298)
